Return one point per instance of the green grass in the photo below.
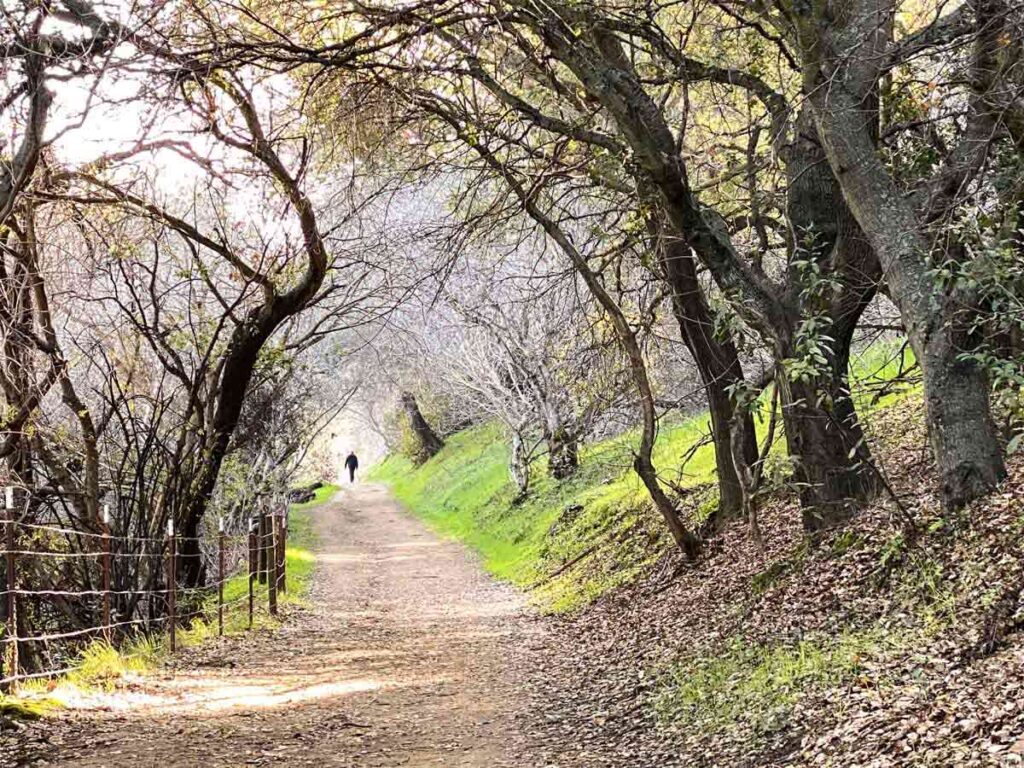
(18, 708)
(101, 665)
(465, 493)
(299, 566)
(756, 686)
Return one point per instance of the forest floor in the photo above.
(407, 657)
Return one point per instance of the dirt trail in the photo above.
(405, 660)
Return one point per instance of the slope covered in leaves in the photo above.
(893, 641)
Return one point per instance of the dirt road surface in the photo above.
(408, 657)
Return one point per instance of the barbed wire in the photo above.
(257, 553)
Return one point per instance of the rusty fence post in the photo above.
(172, 586)
(271, 555)
(283, 541)
(12, 598)
(263, 565)
(106, 574)
(252, 566)
(220, 578)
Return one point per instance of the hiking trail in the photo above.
(407, 657)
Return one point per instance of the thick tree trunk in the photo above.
(719, 367)
(831, 468)
(563, 455)
(962, 432)
(428, 444)
(833, 461)
(240, 361)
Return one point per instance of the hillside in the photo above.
(572, 541)
(894, 641)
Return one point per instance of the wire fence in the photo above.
(66, 587)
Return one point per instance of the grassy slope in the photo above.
(465, 492)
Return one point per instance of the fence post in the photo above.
(283, 540)
(253, 556)
(106, 573)
(172, 583)
(220, 578)
(263, 566)
(12, 598)
(271, 554)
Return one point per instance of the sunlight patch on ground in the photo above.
(257, 697)
(190, 694)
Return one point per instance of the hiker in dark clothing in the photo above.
(351, 464)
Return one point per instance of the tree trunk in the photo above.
(962, 432)
(428, 444)
(748, 483)
(719, 367)
(563, 458)
(563, 455)
(827, 447)
(833, 461)
(518, 466)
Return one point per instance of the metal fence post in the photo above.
(271, 554)
(106, 573)
(252, 566)
(12, 598)
(283, 542)
(172, 583)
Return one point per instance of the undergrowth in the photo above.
(757, 685)
(102, 665)
(299, 565)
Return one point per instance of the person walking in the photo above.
(351, 464)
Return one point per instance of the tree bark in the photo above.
(428, 444)
(563, 454)
(747, 482)
(719, 367)
(519, 466)
(823, 434)
(962, 432)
